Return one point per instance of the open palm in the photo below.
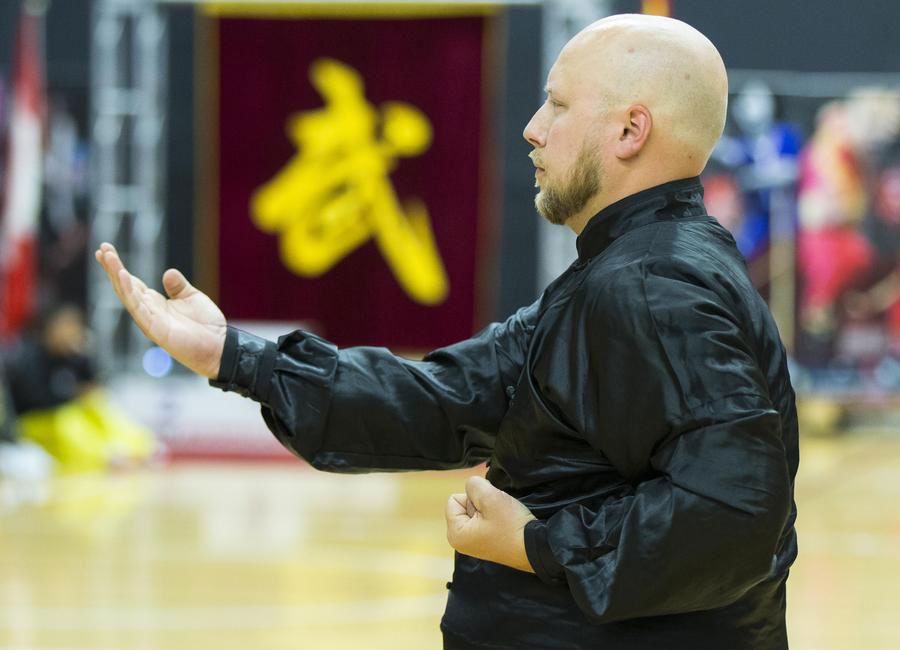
(187, 324)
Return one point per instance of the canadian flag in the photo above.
(22, 193)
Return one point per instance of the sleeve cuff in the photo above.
(537, 548)
(246, 366)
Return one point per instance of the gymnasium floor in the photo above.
(279, 556)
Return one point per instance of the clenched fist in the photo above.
(489, 524)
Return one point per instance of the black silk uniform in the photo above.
(642, 410)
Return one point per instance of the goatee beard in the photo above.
(558, 205)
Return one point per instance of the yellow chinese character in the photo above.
(335, 193)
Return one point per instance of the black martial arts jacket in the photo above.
(642, 410)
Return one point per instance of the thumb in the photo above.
(175, 284)
(480, 491)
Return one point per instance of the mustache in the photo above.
(536, 158)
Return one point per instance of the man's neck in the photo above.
(617, 192)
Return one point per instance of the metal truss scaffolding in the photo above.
(128, 56)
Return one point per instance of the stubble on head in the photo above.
(558, 204)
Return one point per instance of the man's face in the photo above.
(566, 155)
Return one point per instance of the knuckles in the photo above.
(453, 535)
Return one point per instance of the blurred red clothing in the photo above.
(832, 258)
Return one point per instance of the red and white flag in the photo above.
(24, 166)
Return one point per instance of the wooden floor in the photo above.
(278, 556)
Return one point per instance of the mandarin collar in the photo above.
(667, 202)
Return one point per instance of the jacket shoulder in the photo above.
(688, 258)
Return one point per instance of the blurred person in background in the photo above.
(638, 420)
(59, 404)
(20, 460)
(763, 158)
(849, 228)
(875, 112)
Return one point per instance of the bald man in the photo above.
(638, 420)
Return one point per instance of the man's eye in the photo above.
(555, 104)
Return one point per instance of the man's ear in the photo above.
(636, 129)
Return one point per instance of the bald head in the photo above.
(633, 101)
(663, 64)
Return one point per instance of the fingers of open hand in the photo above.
(135, 299)
(119, 275)
(110, 258)
(111, 264)
(127, 290)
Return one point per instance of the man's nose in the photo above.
(534, 132)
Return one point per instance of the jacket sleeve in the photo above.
(677, 404)
(365, 409)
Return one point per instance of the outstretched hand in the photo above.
(188, 325)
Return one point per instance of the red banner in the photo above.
(350, 175)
